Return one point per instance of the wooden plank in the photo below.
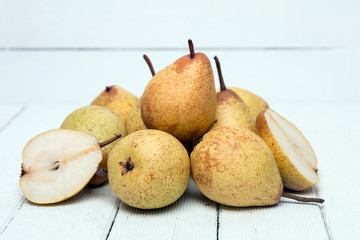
(78, 77)
(8, 113)
(193, 216)
(162, 24)
(282, 221)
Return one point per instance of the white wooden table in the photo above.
(302, 57)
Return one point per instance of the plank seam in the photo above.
(324, 216)
(217, 220)
(113, 221)
(12, 118)
(269, 48)
(301, 203)
(12, 215)
(326, 223)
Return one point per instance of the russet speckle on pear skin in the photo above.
(231, 111)
(255, 103)
(181, 99)
(234, 166)
(160, 172)
(116, 99)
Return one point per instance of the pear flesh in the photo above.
(181, 98)
(102, 123)
(295, 157)
(149, 169)
(57, 164)
(233, 166)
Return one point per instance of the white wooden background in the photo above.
(303, 57)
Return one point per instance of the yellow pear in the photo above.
(255, 103)
(118, 100)
(100, 122)
(234, 166)
(230, 108)
(181, 98)
(294, 155)
(149, 169)
(134, 121)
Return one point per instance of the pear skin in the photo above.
(181, 99)
(134, 121)
(118, 100)
(294, 155)
(230, 108)
(102, 123)
(149, 169)
(232, 111)
(233, 166)
(255, 103)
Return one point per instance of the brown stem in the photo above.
(147, 60)
(191, 48)
(103, 144)
(303, 199)
(221, 79)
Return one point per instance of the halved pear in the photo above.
(57, 164)
(294, 155)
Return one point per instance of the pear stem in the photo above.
(221, 79)
(191, 48)
(103, 144)
(303, 199)
(147, 60)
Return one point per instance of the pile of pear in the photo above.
(238, 151)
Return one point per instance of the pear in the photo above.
(118, 100)
(134, 121)
(294, 155)
(233, 166)
(230, 108)
(255, 103)
(181, 98)
(148, 169)
(100, 122)
(57, 164)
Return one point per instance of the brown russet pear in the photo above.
(294, 155)
(231, 110)
(102, 123)
(234, 166)
(255, 103)
(118, 100)
(149, 169)
(181, 98)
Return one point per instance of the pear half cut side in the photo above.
(294, 155)
(57, 164)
